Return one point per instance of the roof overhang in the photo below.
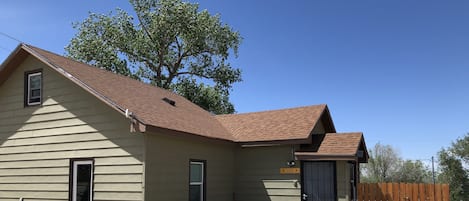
(326, 119)
(362, 152)
(11, 62)
(185, 135)
(273, 143)
(313, 156)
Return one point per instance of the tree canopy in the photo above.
(385, 165)
(170, 44)
(413, 172)
(381, 164)
(454, 162)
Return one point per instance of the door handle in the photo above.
(304, 197)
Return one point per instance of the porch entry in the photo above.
(319, 181)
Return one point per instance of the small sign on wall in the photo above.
(289, 170)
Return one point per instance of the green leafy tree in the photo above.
(382, 164)
(385, 165)
(204, 96)
(169, 44)
(461, 148)
(453, 166)
(413, 172)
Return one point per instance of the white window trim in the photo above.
(29, 89)
(74, 183)
(202, 179)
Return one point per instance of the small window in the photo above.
(197, 181)
(81, 180)
(33, 88)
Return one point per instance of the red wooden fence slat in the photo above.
(438, 192)
(367, 192)
(374, 189)
(379, 193)
(422, 193)
(430, 192)
(395, 189)
(445, 189)
(402, 191)
(415, 192)
(408, 192)
(360, 191)
(389, 191)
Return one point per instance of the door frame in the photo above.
(354, 185)
(302, 163)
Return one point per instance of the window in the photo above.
(81, 180)
(33, 88)
(197, 181)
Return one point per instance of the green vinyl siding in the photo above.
(167, 167)
(258, 175)
(37, 142)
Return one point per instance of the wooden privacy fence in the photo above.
(402, 192)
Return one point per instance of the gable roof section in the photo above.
(275, 125)
(143, 100)
(336, 146)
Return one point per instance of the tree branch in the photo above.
(139, 17)
(172, 69)
(189, 53)
(191, 73)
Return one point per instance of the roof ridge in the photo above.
(98, 68)
(273, 110)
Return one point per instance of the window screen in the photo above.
(33, 88)
(197, 181)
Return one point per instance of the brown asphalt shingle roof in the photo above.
(340, 144)
(143, 100)
(147, 104)
(285, 124)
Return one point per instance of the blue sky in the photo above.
(396, 70)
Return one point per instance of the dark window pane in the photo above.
(34, 100)
(83, 182)
(34, 87)
(195, 193)
(35, 82)
(35, 93)
(196, 173)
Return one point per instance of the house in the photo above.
(69, 131)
